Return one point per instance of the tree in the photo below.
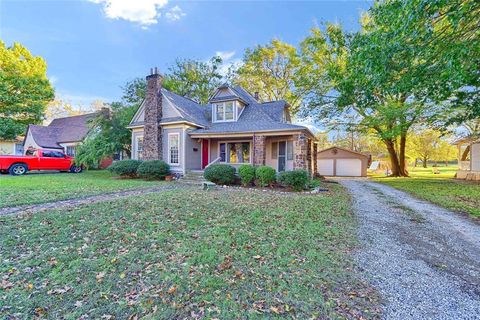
(194, 79)
(445, 152)
(444, 36)
(24, 90)
(109, 133)
(424, 144)
(271, 70)
(60, 109)
(370, 77)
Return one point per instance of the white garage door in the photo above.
(349, 167)
(325, 167)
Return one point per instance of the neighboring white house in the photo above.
(11, 147)
(468, 159)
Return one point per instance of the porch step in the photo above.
(193, 177)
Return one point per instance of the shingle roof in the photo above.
(255, 117)
(189, 109)
(68, 129)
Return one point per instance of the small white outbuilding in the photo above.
(341, 162)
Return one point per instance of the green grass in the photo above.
(441, 189)
(184, 254)
(40, 188)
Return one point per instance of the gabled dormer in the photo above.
(227, 105)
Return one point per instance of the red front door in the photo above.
(204, 153)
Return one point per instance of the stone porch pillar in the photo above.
(259, 150)
(315, 164)
(300, 147)
(309, 156)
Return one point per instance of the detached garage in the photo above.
(336, 161)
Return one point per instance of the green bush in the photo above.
(220, 174)
(153, 170)
(265, 176)
(247, 174)
(125, 168)
(296, 179)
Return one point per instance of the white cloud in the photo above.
(143, 12)
(175, 13)
(225, 55)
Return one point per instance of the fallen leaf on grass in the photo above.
(172, 289)
(226, 264)
(100, 276)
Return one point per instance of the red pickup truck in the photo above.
(39, 160)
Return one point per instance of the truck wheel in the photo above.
(17, 169)
(76, 169)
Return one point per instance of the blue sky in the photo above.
(92, 47)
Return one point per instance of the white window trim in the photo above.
(236, 141)
(214, 111)
(169, 155)
(137, 137)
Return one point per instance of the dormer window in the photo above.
(224, 111)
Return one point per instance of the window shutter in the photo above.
(274, 150)
(289, 150)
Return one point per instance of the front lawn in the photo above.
(442, 189)
(45, 187)
(186, 254)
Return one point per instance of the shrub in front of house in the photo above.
(153, 170)
(247, 174)
(265, 176)
(296, 179)
(125, 168)
(220, 174)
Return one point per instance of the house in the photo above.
(233, 128)
(468, 158)
(337, 161)
(63, 134)
(11, 147)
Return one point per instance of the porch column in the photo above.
(315, 165)
(259, 150)
(300, 146)
(309, 156)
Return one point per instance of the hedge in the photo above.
(247, 174)
(265, 176)
(153, 170)
(222, 174)
(296, 179)
(125, 168)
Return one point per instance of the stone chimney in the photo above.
(152, 138)
(256, 96)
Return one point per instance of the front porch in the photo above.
(283, 152)
(468, 159)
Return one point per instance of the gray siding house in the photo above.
(233, 128)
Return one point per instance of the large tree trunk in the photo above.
(398, 170)
(403, 145)
(424, 162)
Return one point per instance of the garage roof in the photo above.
(344, 149)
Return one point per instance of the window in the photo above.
(52, 154)
(71, 151)
(235, 152)
(173, 148)
(289, 150)
(19, 148)
(274, 150)
(139, 146)
(225, 111)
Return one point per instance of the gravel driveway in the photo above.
(424, 260)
